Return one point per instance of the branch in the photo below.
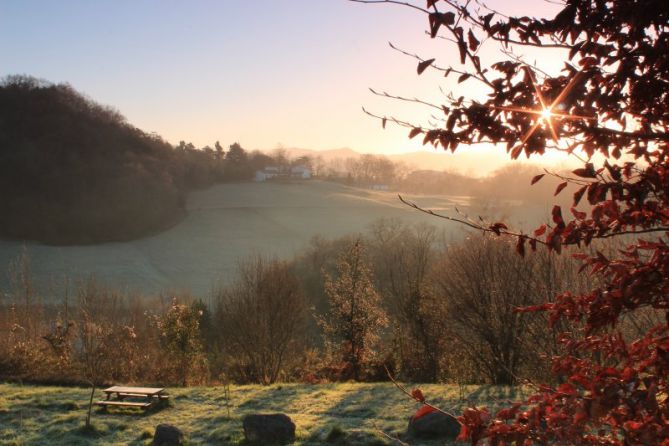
(462, 10)
(402, 98)
(471, 224)
(502, 231)
(405, 391)
(391, 438)
(636, 135)
(442, 69)
(393, 2)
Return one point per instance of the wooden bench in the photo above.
(124, 404)
(148, 396)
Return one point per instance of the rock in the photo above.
(167, 435)
(269, 429)
(434, 425)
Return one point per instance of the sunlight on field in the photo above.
(36, 415)
(226, 223)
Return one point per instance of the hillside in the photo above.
(225, 223)
(34, 415)
(73, 171)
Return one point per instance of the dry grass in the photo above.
(349, 413)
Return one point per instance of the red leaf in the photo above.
(541, 230)
(417, 394)
(579, 194)
(437, 19)
(560, 187)
(424, 410)
(435, 24)
(462, 46)
(557, 216)
(516, 151)
(578, 214)
(422, 66)
(447, 18)
(554, 241)
(520, 246)
(497, 228)
(472, 40)
(464, 77)
(464, 433)
(587, 172)
(537, 178)
(415, 131)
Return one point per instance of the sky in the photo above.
(264, 73)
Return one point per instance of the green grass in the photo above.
(334, 414)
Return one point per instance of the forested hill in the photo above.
(73, 171)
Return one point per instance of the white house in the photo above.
(270, 172)
(302, 172)
(267, 173)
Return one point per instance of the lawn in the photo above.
(39, 415)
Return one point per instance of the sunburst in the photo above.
(547, 113)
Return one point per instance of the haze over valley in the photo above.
(225, 224)
(100, 198)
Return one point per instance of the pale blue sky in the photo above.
(262, 72)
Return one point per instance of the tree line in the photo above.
(76, 172)
(396, 298)
(73, 171)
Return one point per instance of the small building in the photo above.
(302, 172)
(267, 173)
(273, 172)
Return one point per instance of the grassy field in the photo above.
(39, 415)
(225, 224)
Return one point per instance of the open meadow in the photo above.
(340, 414)
(225, 224)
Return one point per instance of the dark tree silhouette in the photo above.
(237, 165)
(73, 171)
(611, 100)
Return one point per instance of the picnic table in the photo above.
(140, 397)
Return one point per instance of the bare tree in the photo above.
(262, 318)
(403, 258)
(94, 337)
(483, 282)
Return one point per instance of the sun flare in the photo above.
(546, 114)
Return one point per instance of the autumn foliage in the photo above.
(609, 107)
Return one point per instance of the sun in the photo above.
(546, 114)
(544, 111)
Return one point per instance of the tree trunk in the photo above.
(90, 406)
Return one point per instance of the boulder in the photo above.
(269, 429)
(434, 425)
(168, 435)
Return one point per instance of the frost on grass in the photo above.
(347, 413)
